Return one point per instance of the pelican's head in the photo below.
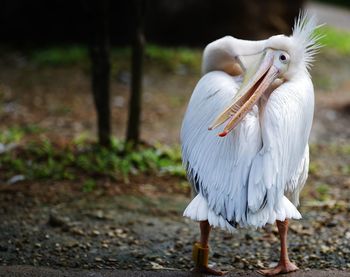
(282, 59)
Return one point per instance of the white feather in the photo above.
(237, 171)
(307, 42)
(198, 210)
(222, 165)
(286, 126)
(244, 177)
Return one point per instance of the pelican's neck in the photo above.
(223, 54)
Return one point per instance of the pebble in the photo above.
(156, 265)
(96, 232)
(273, 264)
(15, 179)
(166, 243)
(260, 264)
(77, 231)
(325, 249)
(71, 243)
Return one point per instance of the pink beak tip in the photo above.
(222, 134)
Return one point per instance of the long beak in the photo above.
(256, 81)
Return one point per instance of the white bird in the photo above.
(263, 92)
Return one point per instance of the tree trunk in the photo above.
(133, 128)
(100, 69)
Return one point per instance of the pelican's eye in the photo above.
(283, 58)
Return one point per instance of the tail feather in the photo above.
(198, 210)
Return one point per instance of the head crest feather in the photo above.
(305, 37)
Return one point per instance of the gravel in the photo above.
(103, 231)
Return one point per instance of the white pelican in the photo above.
(243, 174)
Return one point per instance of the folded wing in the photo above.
(218, 168)
(282, 163)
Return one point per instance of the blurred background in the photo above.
(92, 95)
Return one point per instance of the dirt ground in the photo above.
(57, 225)
(29, 271)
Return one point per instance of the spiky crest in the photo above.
(306, 39)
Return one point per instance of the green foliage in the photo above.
(322, 192)
(16, 133)
(44, 160)
(60, 56)
(314, 168)
(332, 149)
(89, 185)
(13, 134)
(173, 59)
(334, 39)
(339, 155)
(167, 58)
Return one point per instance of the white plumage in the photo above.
(244, 177)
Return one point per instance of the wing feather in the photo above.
(282, 163)
(218, 168)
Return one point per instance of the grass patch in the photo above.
(89, 185)
(174, 59)
(16, 133)
(43, 160)
(60, 56)
(337, 40)
(167, 58)
(329, 160)
(322, 192)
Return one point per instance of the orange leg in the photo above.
(201, 251)
(284, 265)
